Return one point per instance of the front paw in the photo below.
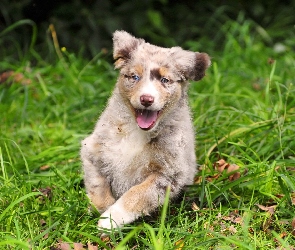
(107, 221)
(115, 217)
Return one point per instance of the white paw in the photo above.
(115, 217)
(107, 221)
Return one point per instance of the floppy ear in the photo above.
(124, 45)
(192, 65)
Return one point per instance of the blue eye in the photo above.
(135, 78)
(164, 80)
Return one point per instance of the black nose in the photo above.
(146, 100)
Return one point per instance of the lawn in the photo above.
(244, 116)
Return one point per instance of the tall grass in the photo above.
(243, 112)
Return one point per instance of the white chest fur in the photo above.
(125, 144)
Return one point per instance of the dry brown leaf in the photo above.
(233, 168)
(42, 223)
(64, 246)
(238, 220)
(105, 238)
(256, 86)
(227, 218)
(4, 76)
(78, 246)
(208, 226)
(293, 198)
(221, 165)
(270, 209)
(11, 76)
(232, 229)
(45, 235)
(47, 192)
(280, 196)
(45, 167)
(293, 226)
(234, 176)
(283, 235)
(195, 207)
(198, 180)
(214, 177)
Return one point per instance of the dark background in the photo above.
(86, 26)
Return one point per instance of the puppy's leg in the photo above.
(97, 187)
(138, 200)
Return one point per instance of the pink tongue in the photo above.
(146, 118)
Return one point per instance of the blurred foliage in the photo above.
(86, 26)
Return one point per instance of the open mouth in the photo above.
(145, 118)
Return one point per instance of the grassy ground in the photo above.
(243, 113)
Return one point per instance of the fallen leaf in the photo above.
(233, 168)
(270, 209)
(220, 165)
(11, 76)
(64, 246)
(46, 236)
(45, 167)
(293, 198)
(105, 238)
(47, 192)
(198, 179)
(195, 207)
(4, 76)
(256, 86)
(293, 226)
(232, 229)
(78, 246)
(238, 220)
(214, 177)
(234, 176)
(283, 235)
(42, 223)
(280, 196)
(227, 218)
(208, 226)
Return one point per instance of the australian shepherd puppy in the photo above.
(144, 140)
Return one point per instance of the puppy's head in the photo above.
(153, 79)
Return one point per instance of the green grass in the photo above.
(244, 112)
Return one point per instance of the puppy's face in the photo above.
(151, 89)
(152, 79)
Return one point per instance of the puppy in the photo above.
(144, 140)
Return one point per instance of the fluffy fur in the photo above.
(144, 140)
